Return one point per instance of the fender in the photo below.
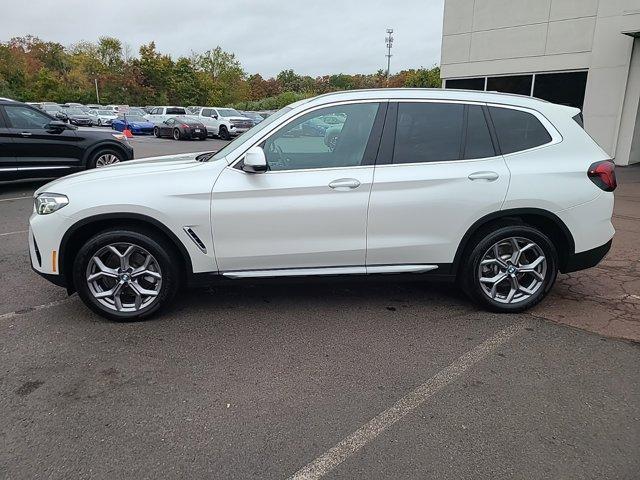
(510, 213)
(105, 217)
(114, 144)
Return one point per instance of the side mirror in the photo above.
(255, 161)
(214, 116)
(58, 126)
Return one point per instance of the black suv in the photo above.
(33, 144)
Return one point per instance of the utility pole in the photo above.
(97, 95)
(389, 40)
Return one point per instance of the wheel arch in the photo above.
(103, 146)
(82, 230)
(544, 220)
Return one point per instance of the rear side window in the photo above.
(478, 142)
(176, 111)
(518, 130)
(428, 132)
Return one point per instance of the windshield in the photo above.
(105, 112)
(228, 112)
(73, 111)
(249, 134)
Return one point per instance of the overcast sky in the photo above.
(267, 36)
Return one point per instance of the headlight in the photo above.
(47, 203)
(120, 136)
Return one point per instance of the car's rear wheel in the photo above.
(156, 132)
(125, 274)
(510, 269)
(104, 158)
(176, 134)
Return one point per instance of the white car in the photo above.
(497, 191)
(103, 117)
(160, 114)
(222, 122)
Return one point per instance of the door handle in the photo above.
(489, 176)
(344, 184)
(25, 134)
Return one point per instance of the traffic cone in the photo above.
(127, 133)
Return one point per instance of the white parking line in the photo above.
(13, 233)
(14, 198)
(369, 431)
(4, 316)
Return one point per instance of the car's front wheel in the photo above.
(510, 269)
(156, 132)
(103, 158)
(126, 274)
(223, 133)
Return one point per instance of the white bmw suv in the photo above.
(498, 192)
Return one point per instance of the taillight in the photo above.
(603, 174)
(185, 125)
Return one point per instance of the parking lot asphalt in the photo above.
(324, 380)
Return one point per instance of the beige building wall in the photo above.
(500, 37)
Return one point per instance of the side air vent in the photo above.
(37, 250)
(196, 239)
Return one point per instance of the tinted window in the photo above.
(26, 118)
(518, 130)
(206, 112)
(562, 88)
(478, 139)
(466, 83)
(176, 111)
(310, 142)
(520, 84)
(428, 132)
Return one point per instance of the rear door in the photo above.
(41, 152)
(437, 173)
(7, 152)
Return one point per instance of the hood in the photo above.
(145, 166)
(141, 124)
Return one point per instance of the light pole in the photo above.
(97, 96)
(389, 40)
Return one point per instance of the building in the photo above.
(584, 53)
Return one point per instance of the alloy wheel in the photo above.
(512, 270)
(124, 277)
(107, 159)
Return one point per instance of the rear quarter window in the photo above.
(518, 130)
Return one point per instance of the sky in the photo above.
(313, 38)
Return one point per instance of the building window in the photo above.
(520, 84)
(466, 83)
(563, 88)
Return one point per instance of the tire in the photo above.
(161, 277)
(176, 134)
(104, 157)
(223, 133)
(156, 132)
(99, 122)
(517, 288)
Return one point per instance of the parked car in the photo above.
(138, 125)
(78, 117)
(95, 106)
(181, 128)
(222, 122)
(56, 111)
(34, 144)
(499, 192)
(104, 117)
(160, 114)
(136, 111)
(253, 116)
(72, 104)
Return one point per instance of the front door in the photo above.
(7, 152)
(438, 174)
(309, 210)
(41, 152)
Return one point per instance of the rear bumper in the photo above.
(586, 259)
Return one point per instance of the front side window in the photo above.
(325, 138)
(26, 118)
(206, 112)
(518, 130)
(428, 132)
